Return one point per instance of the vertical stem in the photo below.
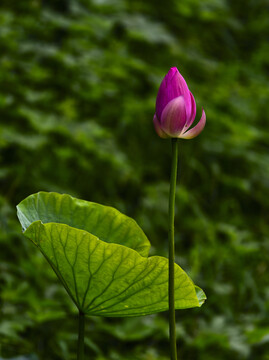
(81, 326)
(172, 317)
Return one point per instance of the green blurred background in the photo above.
(78, 85)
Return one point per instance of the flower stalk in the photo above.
(81, 327)
(172, 316)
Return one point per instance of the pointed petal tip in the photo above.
(197, 129)
(172, 71)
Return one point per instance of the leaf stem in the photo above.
(81, 326)
(172, 317)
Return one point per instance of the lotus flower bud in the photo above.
(176, 109)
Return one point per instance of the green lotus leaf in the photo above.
(102, 278)
(105, 222)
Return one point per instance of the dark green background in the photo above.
(78, 81)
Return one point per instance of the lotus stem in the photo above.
(172, 316)
(81, 327)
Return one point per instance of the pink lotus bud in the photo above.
(176, 109)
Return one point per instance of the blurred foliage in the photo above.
(78, 86)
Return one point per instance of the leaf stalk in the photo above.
(81, 327)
